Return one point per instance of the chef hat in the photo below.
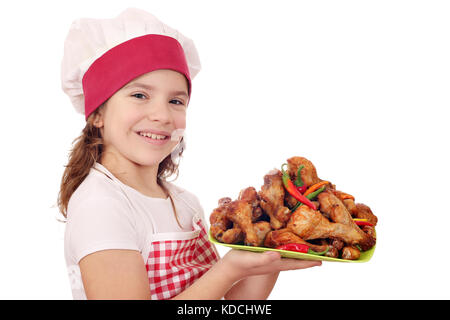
(102, 55)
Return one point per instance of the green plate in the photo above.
(365, 255)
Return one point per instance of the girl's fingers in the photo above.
(270, 256)
(275, 257)
(267, 262)
(271, 261)
(293, 264)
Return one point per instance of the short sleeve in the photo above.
(199, 208)
(195, 204)
(97, 224)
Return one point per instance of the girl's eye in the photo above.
(139, 96)
(177, 102)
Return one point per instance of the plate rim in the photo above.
(292, 254)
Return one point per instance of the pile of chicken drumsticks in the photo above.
(272, 217)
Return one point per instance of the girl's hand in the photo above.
(241, 264)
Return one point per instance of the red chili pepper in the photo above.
(290, 187)
(363, 223)
(301, 247)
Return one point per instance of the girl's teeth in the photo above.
(153, 136)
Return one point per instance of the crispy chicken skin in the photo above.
(351, 206)
(333, 251)
(348, 202)
(224, 200)
(236, 235)
(289, 200)
(232, 221)
(262, 228)
(364, 212)
(338, 244)
(222, 228)
(310, 224)
(279, 237)
(308, 173)
(357, 210)
(370, 231)
(350, 253)
(251, 196)
(272, 200)
(233, 235)
(336, 210)
(219, 221)
(240, 212)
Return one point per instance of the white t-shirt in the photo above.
(103, 213)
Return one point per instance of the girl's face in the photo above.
(138, 120)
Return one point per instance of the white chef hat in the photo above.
(102, 55)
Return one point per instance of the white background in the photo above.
(361, 88)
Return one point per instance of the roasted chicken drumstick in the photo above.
(272, 200)
(251, 196)
(219, 221)
(240, 212)
(310, 224)
(283, 236)
(308, 173)
(337, 212)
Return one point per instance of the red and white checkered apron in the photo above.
(176, 260)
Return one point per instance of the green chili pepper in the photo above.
(314, 194)
(299, 182)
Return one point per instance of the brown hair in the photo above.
(86, 151)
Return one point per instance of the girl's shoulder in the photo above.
(179, 191)
(183, 194)
(96, 185)
(174, 188)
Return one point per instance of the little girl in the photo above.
(130, 234)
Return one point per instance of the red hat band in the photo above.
(129, 60)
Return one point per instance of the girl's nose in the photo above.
(159, 111)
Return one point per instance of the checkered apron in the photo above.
(176, 260)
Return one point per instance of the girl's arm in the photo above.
(253, 288)
(121, 274)
(115, 274)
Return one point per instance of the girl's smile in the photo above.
(154, 136)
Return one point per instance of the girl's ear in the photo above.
(98, 119)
